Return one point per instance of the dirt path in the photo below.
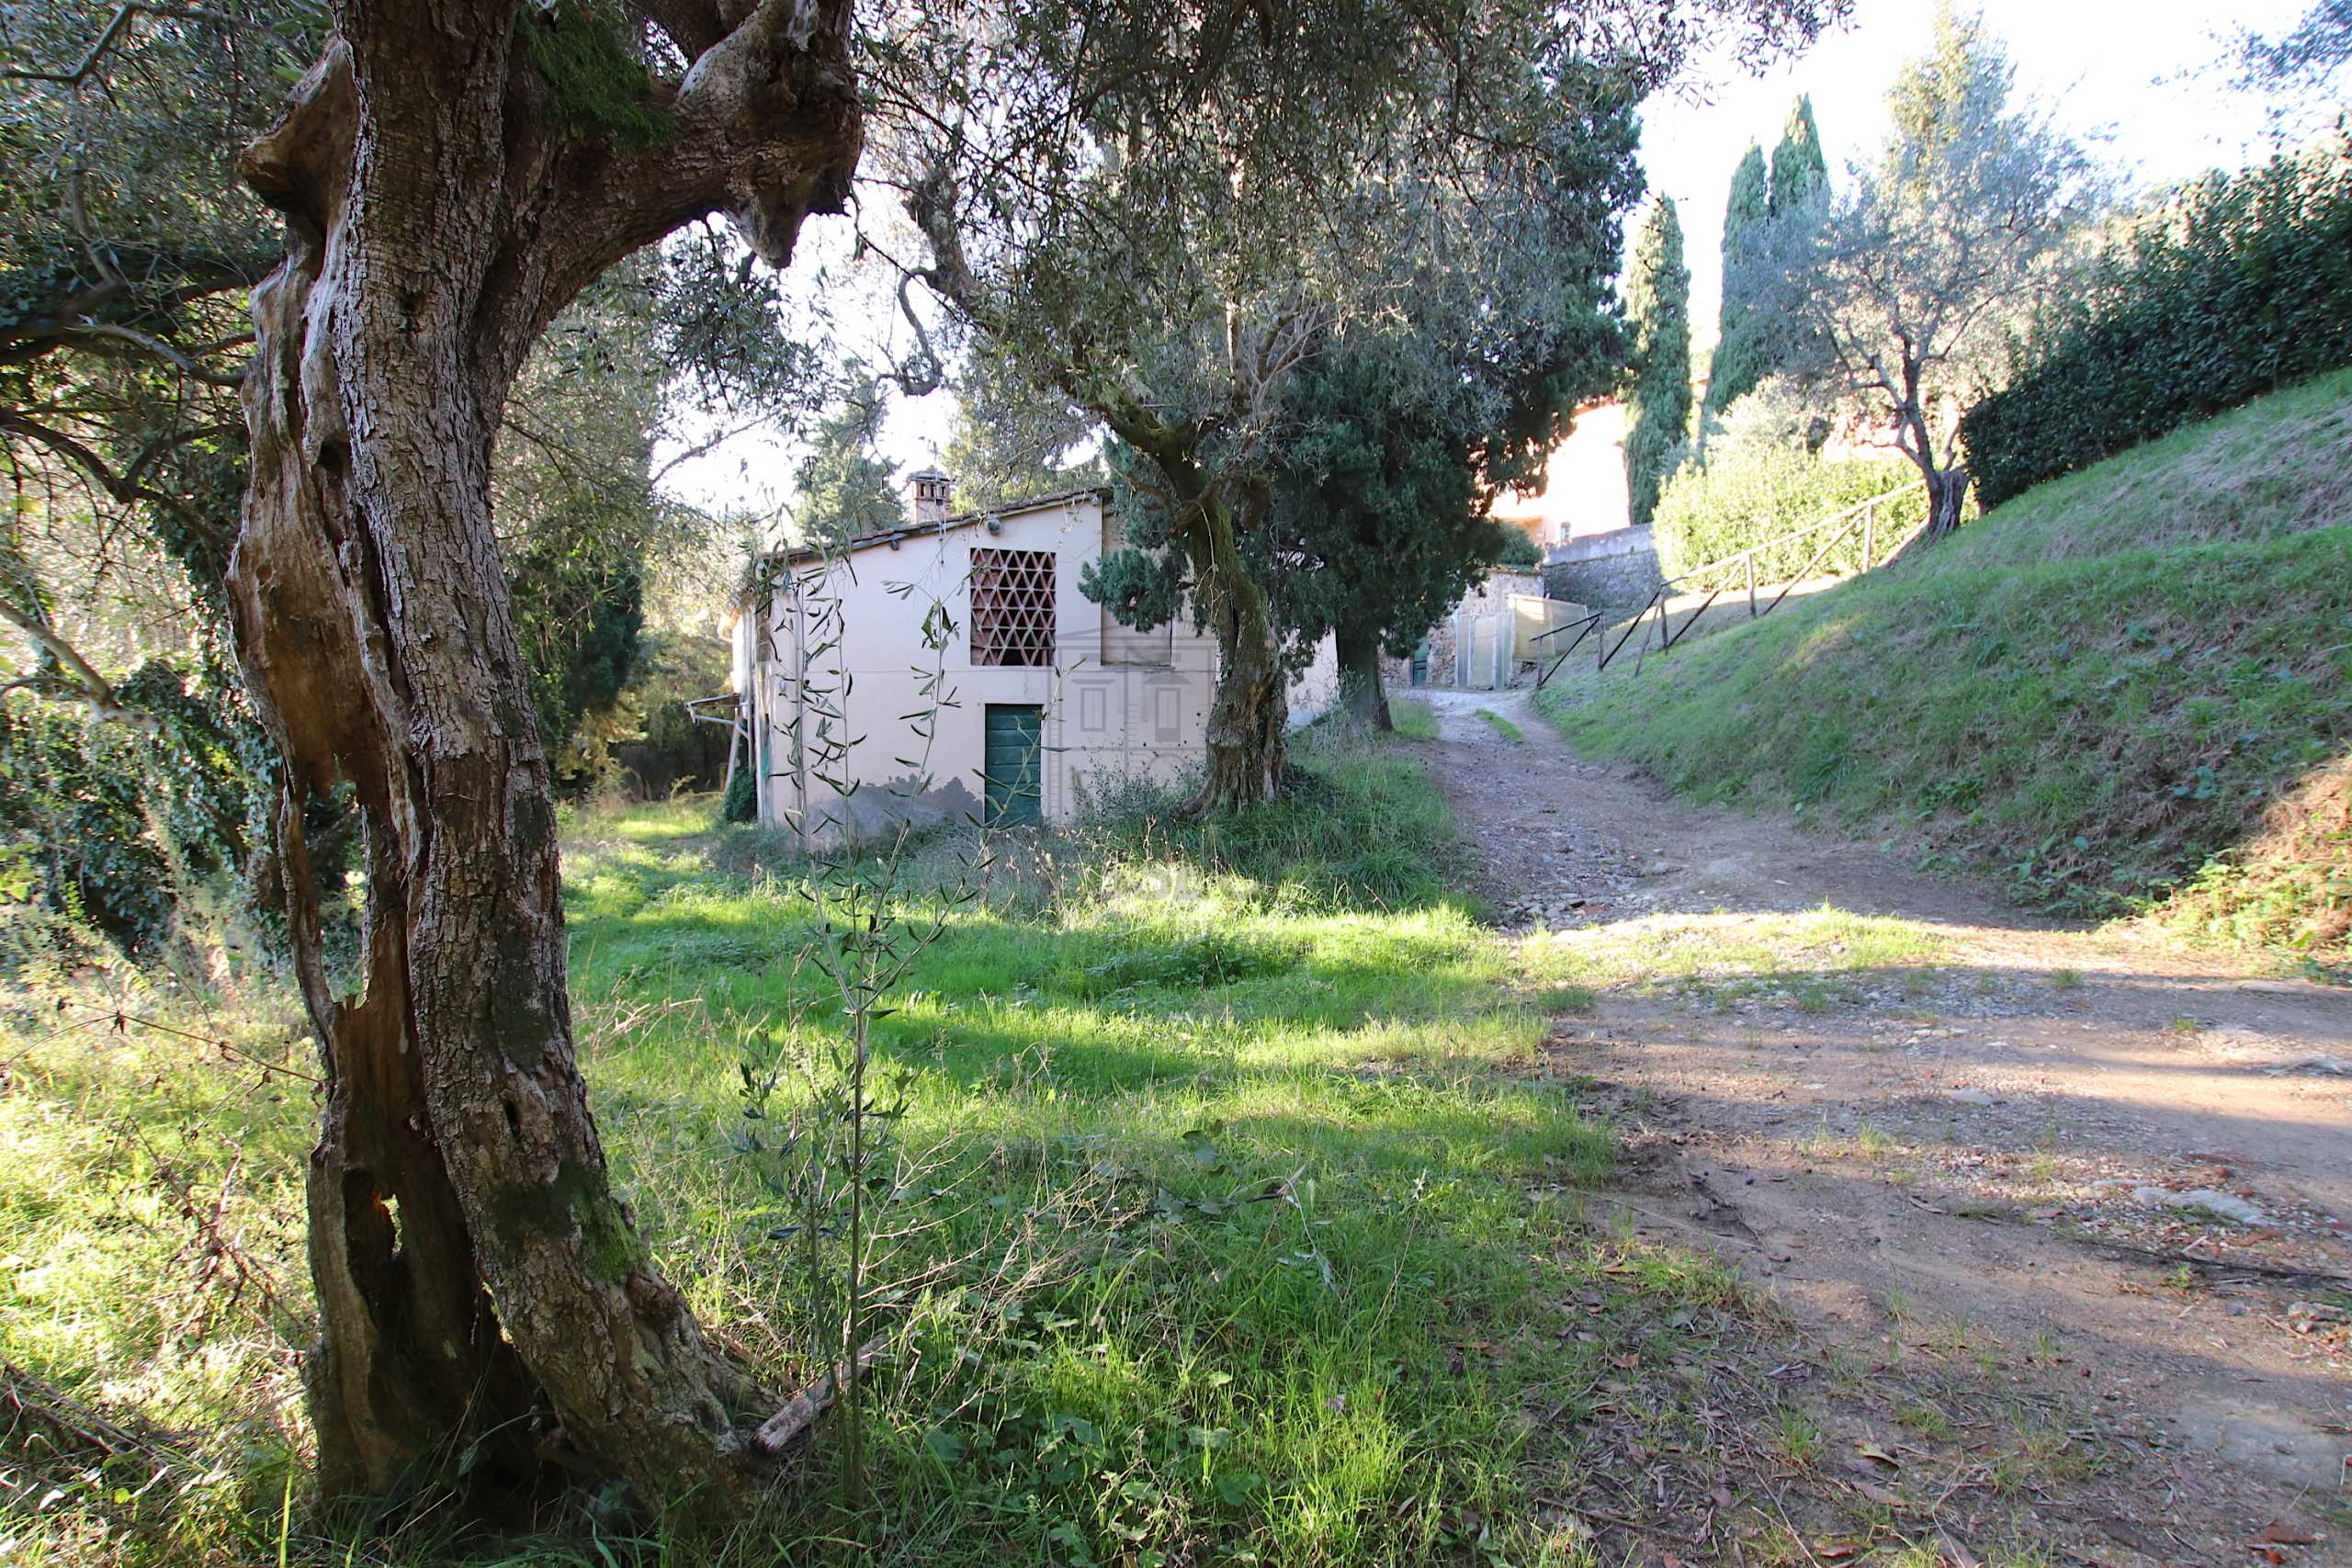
(2084, 1160)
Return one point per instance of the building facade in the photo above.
(952, 670)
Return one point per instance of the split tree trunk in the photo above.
(483, 1296)
(1361, 692)
(1947, 493)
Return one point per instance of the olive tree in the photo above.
(1900, 296)
(451, 174)
(1167, 214)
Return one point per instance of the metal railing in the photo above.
(1862, 517)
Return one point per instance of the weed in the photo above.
(1137, 1207)
(1797, 1437)
(1931, 1421)
(2065, 979)
(1501, 726)
(1413, 718)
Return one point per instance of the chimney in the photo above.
(933, 497)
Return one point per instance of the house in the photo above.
(1584, 491)
(1582, 515)
(970, 626)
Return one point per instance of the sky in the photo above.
(2119, 73)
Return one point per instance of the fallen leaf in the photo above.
(2283, 1535)
(1871, 1450)
(1879, 1495)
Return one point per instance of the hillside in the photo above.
(2126, 690)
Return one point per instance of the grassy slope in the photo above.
(2096, 692)
(1125, 1344)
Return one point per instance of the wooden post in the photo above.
(1751, 586)
(1870, 531)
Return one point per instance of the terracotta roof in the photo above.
(897, 531)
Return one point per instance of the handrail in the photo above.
(1863, 513)
(1868, 504)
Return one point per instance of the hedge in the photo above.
(1706, 514)
(2238, 288)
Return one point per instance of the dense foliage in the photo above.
(845, 486)
(107, 822)
(1768, 204)
(1012, 440)
(1771, 489)
(2234, 288)
(1658, 407)
(1742, 352)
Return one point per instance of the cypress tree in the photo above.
(1799, 171)
(1657, 299)
(1739, 357)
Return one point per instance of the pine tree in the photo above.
(1799, 171)
(1739, 355)
(1657, 301)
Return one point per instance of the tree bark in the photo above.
(486, 1305)
(1250, 714)
(1947, 492)
(1365, 696)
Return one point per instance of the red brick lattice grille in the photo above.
(1013, 607)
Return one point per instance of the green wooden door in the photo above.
(1010, 762)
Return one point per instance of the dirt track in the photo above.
(2031, 1142)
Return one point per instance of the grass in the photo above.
(2118, 692)
(1414, 717)
(1814, 960)
(1243, 1235)
(1501, 726)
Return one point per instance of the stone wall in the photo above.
(1615, 570)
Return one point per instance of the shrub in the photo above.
(742, 801)
(1745, 496)
(2237, 288)
(1520, 553)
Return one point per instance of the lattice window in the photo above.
(1013, 607)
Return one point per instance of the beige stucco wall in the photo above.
(1584, 482)
(1102, 722)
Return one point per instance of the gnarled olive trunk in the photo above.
(483, 1296)
(1250, 714)
(1947, 493)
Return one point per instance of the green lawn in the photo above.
(1237, 1218)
